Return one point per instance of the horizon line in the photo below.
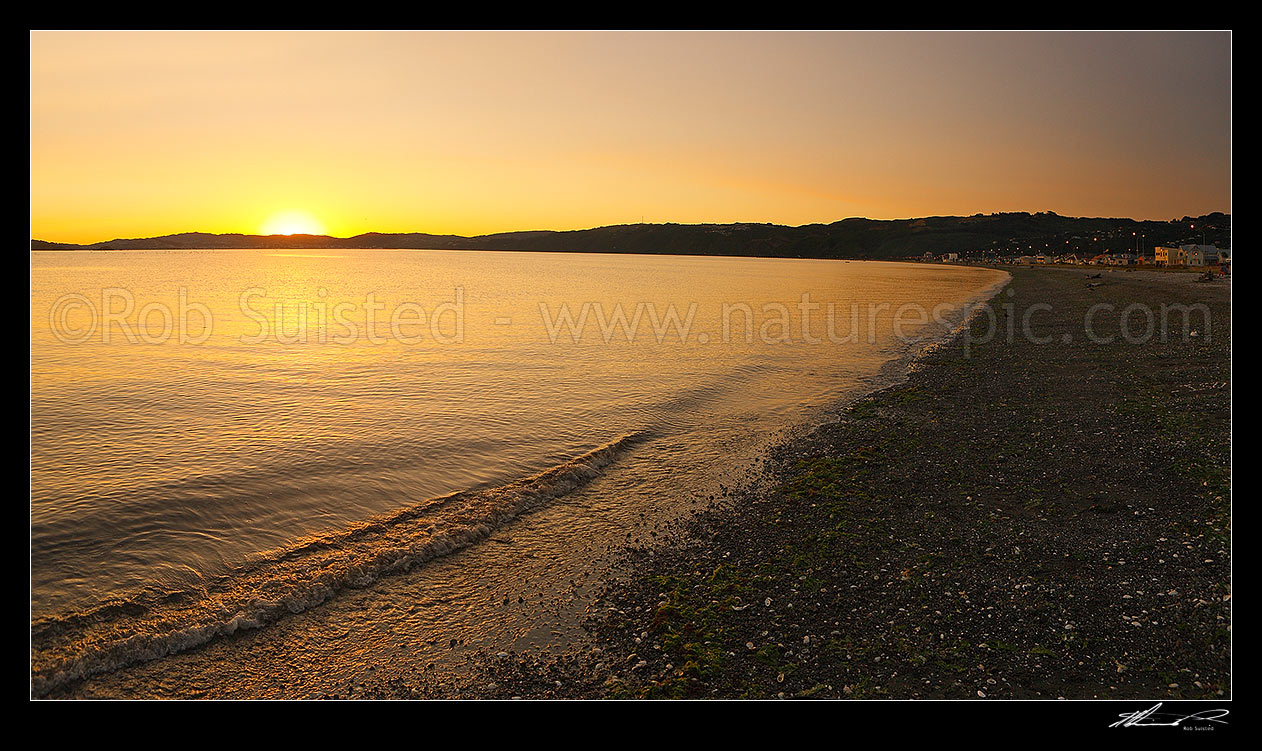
(630, 224)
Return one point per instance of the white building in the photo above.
(1199, 255)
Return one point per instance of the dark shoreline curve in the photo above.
(1016, 520)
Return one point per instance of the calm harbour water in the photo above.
(221, 437)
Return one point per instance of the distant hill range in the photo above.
(971, 236)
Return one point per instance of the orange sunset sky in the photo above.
(147, 133)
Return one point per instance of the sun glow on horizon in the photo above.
(293, 222)
(147, 133)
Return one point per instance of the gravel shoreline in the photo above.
(1019, 519)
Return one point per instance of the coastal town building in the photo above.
(1165, 255)
(1200, 255)
(1187, 255)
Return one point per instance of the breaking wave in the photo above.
(153, 624)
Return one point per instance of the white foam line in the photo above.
(299, 577)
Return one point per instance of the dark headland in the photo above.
(974, 237)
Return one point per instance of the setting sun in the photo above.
(293, 223)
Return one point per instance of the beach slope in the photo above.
(1037, 515)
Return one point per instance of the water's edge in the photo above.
(124, 631)
(149, 626)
